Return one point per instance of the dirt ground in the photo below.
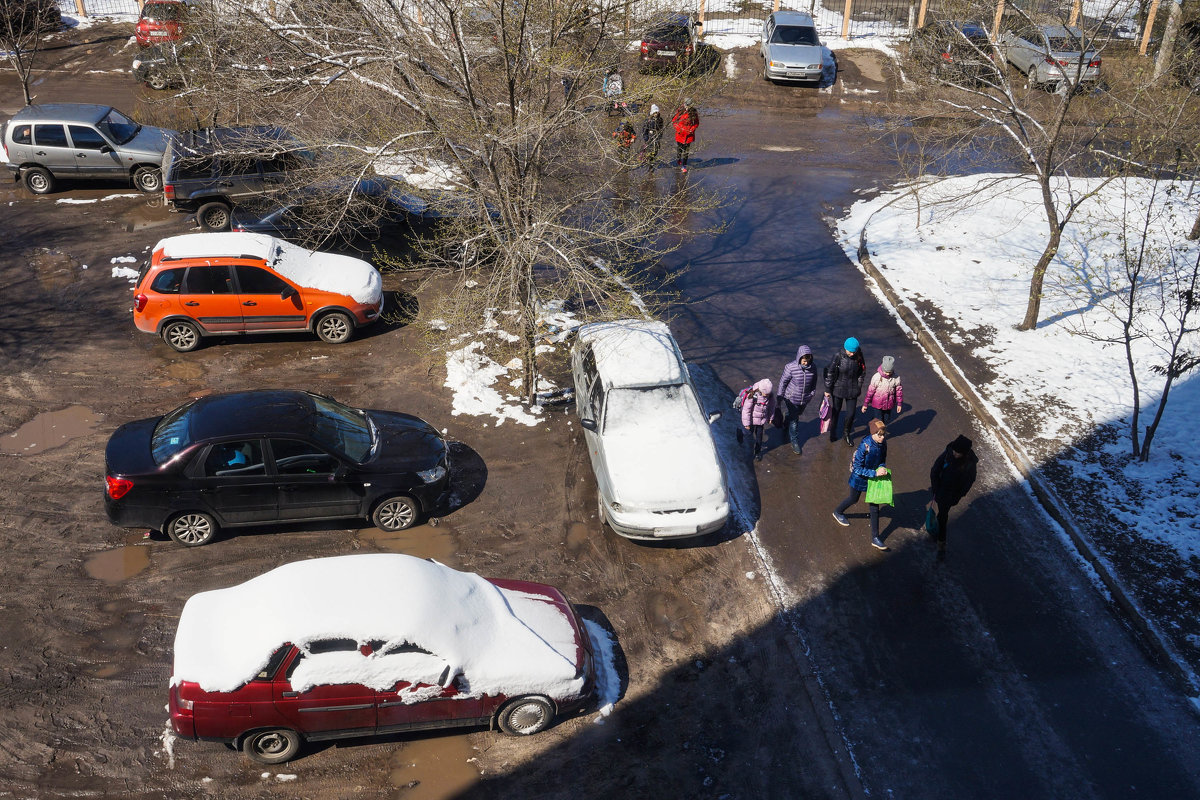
(711, 684)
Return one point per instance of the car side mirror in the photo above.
(713, 417)
(339, 474)
(288, 293)
(588, 424)
(105, 148)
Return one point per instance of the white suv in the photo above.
(647, 433)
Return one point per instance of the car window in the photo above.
(50, 135)
(627, 410)
(171, 435)
(595, 404)
(194, 168)
(235, 459)
(22, 134)
(85, 138)
(589, 363)
(342, 429)
(276, 659)
(238, 165)
(255, 280)
(168, 281)
(282, 162)
(294, 457)
(794, 34)
(208, 280)
(118, 127)
(320, 647)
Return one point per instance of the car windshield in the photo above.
(794, 34)
(343, 429)
(118, 127)
(670, 407)
(171, 435)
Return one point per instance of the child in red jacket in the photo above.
(685, 119)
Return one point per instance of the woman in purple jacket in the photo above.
(757, 409)
(796, 388)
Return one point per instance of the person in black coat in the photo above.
(950, 478)
(843, 384)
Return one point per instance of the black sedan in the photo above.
(261, 457)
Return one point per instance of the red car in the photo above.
(160, 21)
(371, 644)
(670, 44)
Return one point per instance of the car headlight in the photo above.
(432, 475)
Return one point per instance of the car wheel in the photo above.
(38, 180)
(526, 716)
(182, 336)
(335, 327)
(395, 514)
(273, 746)
(213, 216)
(157, 80)
(148, 179)
(192, 529)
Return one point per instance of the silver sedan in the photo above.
(1053, 56)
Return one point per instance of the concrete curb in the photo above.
(1147, 629)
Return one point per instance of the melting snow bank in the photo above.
(168, 744)
(608, 682)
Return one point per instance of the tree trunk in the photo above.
(1033, 309)
(1195, 234)
(1162, 64)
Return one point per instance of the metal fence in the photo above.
(100, 8)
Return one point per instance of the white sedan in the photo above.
(647, 433)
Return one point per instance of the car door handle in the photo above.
(40, 153)
(289, 694)
(191, 303)
(225, 183)
(81, 155)
(249, 303)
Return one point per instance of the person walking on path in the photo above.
(652, 134)
(870, 461)
(884, 393)
(624, 135)
(685, 119)
(757, 409)
(950, 478)
(843, 385)
(797, 386)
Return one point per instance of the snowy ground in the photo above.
(1064, 395)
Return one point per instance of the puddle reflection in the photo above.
(423, 541)
(49, 430)
(432, 769)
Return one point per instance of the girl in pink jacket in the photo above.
(757, 409)
(885, 394)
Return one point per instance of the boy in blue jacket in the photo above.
(869, 462)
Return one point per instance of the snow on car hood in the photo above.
(658, 449)
(325, 272)
(501, 641)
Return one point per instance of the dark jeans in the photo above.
(681, 153)
(943, 518)
(836, 403)
(883, 415)
(756, 435)
(791, 421)
(851, 499)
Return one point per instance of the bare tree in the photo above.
(493, 111)
(23, 23)
(1152, 296)
(1048, 121)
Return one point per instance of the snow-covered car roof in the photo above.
(325, 272)
(633, 352)
(502, 641)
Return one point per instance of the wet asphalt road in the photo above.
(999, 672)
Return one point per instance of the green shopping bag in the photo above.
(879, 490)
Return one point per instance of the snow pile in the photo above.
(429, 175)
(500, 641)
(128, 273)
(324, 272)
(470, 375)
(972, 260)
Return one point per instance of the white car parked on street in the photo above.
(647, 433)
(791, 49)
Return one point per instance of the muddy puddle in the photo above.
(54, 268)
(432, 769)
(49, 430)
(114, 566)
(577, 536)
(423, 541)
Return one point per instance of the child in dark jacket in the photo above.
(797, 386)
(870, 461)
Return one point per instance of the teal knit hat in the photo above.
(851, 345)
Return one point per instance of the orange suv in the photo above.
(204, 284)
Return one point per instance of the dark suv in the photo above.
(671, 43)
(211, 170)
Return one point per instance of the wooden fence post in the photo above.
(700, 14)
(1074, 20)
(846, 19)
(776, 6)
(1149, 27)
(79, 6)
(921, 15)
(996, 22)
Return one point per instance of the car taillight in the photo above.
(117, 487)
(169, 191)
(688, 50)
(1095, 62)
(947, 57)
(139, 301)
(645, 48)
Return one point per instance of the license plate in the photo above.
(796, 74)
(158, 33)
(666, 52)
